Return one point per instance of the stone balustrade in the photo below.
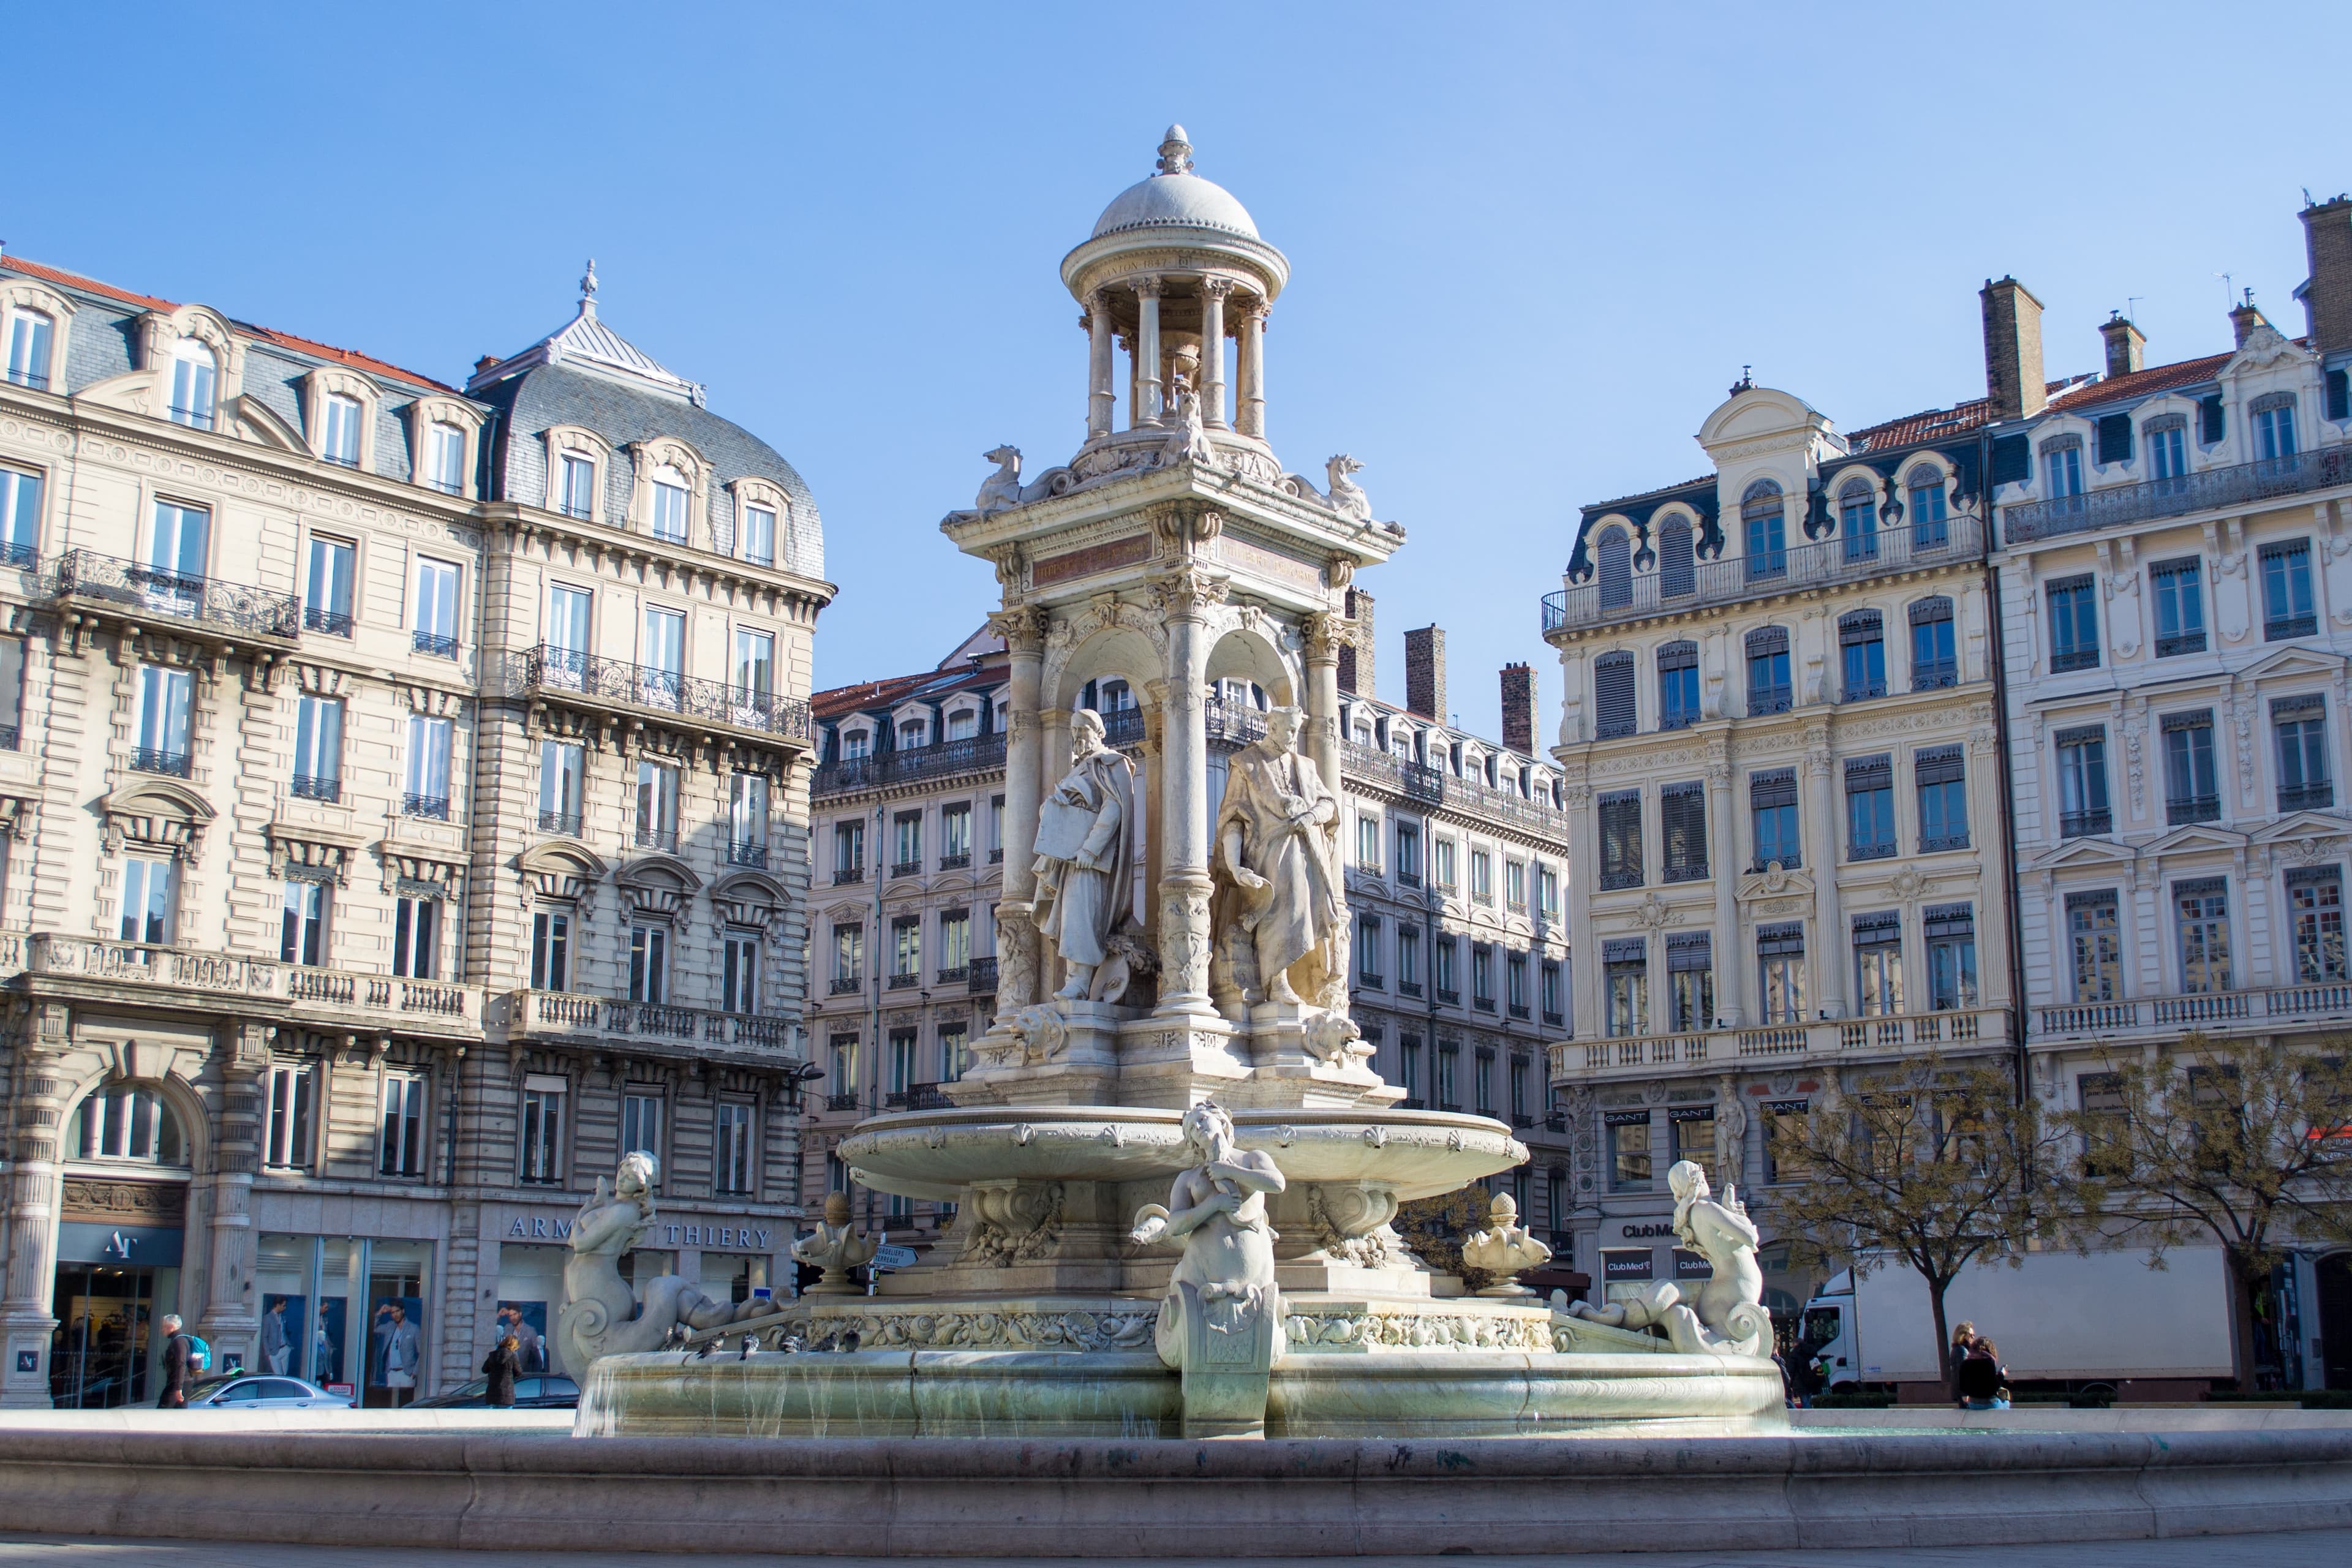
(1641, 1056)
(326, 996)
(570, 1016)
(2322, 1003)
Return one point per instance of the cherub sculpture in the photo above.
(1728, 1316)
(1225, 1282)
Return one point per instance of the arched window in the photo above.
(2274, 418)
(29, 335)
(1677, 685)
(1612, 696)
(126, 1124)
(1677, 570)
(1765, 514)
(1935, 659)
(669, 504)
(1769, 690)
(1930, 527)
(192, 375)
(1858, 518)
(1861, 641)
(1616, 570)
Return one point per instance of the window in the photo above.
(2166, 440)
(1772, 801)
(907, 843)
(1763, 513)
(1442, 976)
(2096, 936)
(759, 536)
(1629, 1149)
(2083, 781)
(400, 1151)
(733, 1172)
(1869, 808)
(339, 441)
(848, 956)
(2179, 606)
(747, 820)
(1448, 1057)
(2300, 724)
(1548, 979)
(192, 375)
(1692, 1127)
(2073, 624)
(416, 937)
(2211, 422)
(2202, 916)
(955, 943)
(1368, 841)
(437, 609)
(563, 769)
(955, 835)
(127, 1125)
(1482, 1080)
(1784, 1132)
(20, 518)
(953, 1051)
(1690, 981)
(912, 733)
(1930, 521)
(641, 1124)
(1368, 950)
(327, 590)
(656, 805)
(849, 851)
(550, 950)
(2062, 468)
(846, 1079)
(543, 1127)
(319, 748)
(2114, 434)
(1482, 876)
(1858, 521)
(2287, 610)
(1878, 965)
(669, 505)
(577, 495)
(302, 923)
(1951, 933)
(739, 971)
(1934, 656)
(1612, 696)
(2192, 792)
(164, 696)
(1781, 958)
(995, 829)
(1514, 983)
(2273, 418)
(1441, 862)
(445, 458)
(1408, 961)
(2316, 896)
(1616, 569)
(1682, 818)
(1626, 971)
(906, 948)
(1482, 976)
(147, 902)
(30, 333)
(1943, 799)
(963, 724)
(285, 1143)
(755, 666)
(427, 794)
(1677, 685)
(1861, 642)
(1677, 567)
(649, 963)
(1620, 839)
(1408, 854)
(1769, 690)
(1548, 892)
(177, 549)
(661, 659)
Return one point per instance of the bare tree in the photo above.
(1935, 1162)
(2247, 1143)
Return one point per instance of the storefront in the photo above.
(353, 1314)
(119, 1246)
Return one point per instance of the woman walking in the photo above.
(500, 1368)
(1981, 1380)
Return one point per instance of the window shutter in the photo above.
(1775, 787)
(1941, 765)
(2013, 459)
(2116, 438)
(1682, 811)
(1613, 695)
(1949, 921)
(2340, 395)
(1678, 569)
(2209, 419)
(1689, 950)
(1768, 641)
(1862, 626)
(1923, 611)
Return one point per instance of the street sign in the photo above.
(889, 1256)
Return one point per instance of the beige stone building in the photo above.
(405, 816)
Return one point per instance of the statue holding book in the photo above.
(1088, 832)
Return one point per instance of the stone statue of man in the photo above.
(1278, 847)
(1087, 838)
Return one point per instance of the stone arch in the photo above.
(156, 812)
(561, 868)
(1251, 650)
(1104, 639)
(748, 899)
(657, 887)
(169, 1069)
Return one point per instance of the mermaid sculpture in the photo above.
(1727, 1316)
(603, 1316)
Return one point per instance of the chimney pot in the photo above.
(1424, 672)
(2245, 317)
(1355, 653)
(1520, 708)
(2124, 344)
(2012, 339)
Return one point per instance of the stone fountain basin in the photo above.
(935, 1155)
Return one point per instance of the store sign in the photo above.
(1691, 1266)
(28, 1361)
(1624, 1265)
(1636, 1232)
(132, 1246)
(558, 1227)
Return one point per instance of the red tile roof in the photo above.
(287, 340)
(2144, 382)
(1928, 425)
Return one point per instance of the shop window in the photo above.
(1629, 1150)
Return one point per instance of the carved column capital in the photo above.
(1217, 288)
(1188, 592)
(1326, 635)
(1023, 628)
(1150, 287)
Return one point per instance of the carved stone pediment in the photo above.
(562, 868)
(1774, 881)
(408, 862)
(657, 887)
(299, 847)
(160, 815)
(748, 899)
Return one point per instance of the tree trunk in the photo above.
(2242, 1322)
(1936, 1289)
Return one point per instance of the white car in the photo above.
(260, 1391)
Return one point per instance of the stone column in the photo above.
(231, 1319)
(1212, 351)
(1723, 828)
(33, 1192)
(1185, 595)
(1588, 978)
(1249, 401)
(1016, 934)
(1818, 809)
(1326, 634)
(1147, 350)
(1102, 401)
(1155, 804)
(1134, 379)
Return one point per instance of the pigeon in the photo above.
(848, 1340)
(824, 1344)
(708, 1346)
(745, 1353)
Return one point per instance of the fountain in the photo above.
(1172, 1163)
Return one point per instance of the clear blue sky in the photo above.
(1530, 246)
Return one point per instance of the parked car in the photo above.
(530, 1394)
(260, 1391)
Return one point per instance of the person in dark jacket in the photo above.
(176, 1352)
(1981, 1377)
(500, 1368)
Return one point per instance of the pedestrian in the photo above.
(500, 1368)
(1964, 1334)
(177, 1349)
(1980, 1378)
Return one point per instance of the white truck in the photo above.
(2062, 1319)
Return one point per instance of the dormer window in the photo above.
(194, 373)
(577, 495)
(670, 494)
(30, 333)
(963, 724)
(445, 458)
(1764, 516)
(2273, 419)
(855, 743)
(339, 443)
(911, 733)
(2062, 468)
(759, 536)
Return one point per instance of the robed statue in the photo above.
(1086, 836)
(1281, 910)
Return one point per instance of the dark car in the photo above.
(530, 1394)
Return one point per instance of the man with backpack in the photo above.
(179, 1353)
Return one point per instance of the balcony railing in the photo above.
(2326, 1001)
(918, 1097)
(906, 867)
(328, 787)
(843, 876)
(2307, 798)
(420, 1003)
(437, 645)
(564, 822)
(567, 1013)
(740, 853)
(11, 738)
(1236, 723)
(2084, 824)
(334, 622)
(2180, 810)
(1448, 998)
(848, 985)
(981, 980)
(2151, 498)
(433, 808)
(1818, 564)
(904, 982)
(662, 838)
(955, 862)
(1122, 725)
(1643, 1054)
(1553, 1017)
(1519, 1009)
(155, 591)
(952, 973)
(969, 754)
(611, 681)
(155, 759)
(1371, 982)
(845, 1100)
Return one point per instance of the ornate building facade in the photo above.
(405, 817)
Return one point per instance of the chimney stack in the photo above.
(2245, 317)
(1520, 708)
(1424, 672)
(2124, 344)
(2012, 339)
(1355, 653)
(2326, 294)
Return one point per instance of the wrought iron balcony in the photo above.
(1870, 851)
(1616, 882)
(2287, 626)
(1121, 725)
(918, 1097)
(319, 786)
(194, 418)
(2149, 499)
(1764, 701)
(19, 554)
(846, 1101)
(559, 673)
(996, 856)
(905, 980)
(1934, 677)
(1936, 844)
(754, 855)
(438, 645)
(1521, 1119)
(955, 862)
(981, 980)
(153, 591)
(848, 985)
(1371, 982)
(334, 622)
(1236, 723)
(1553, 1016)
(2317, 797)
(155, 759)
(843, 876)
(2175, 646)
(1408, 987)
(906, 868)
(1519, 1009)
(435, 807)
(2085, 824)
(971, 754)
(662, 838)
(2179, 810)
(564, 822)
(1447, 997)
(11, 738)
(952, 973)
(1483, 1004)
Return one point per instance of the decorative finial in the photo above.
(1175, 152)
(1747, 381)
(588, 290)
